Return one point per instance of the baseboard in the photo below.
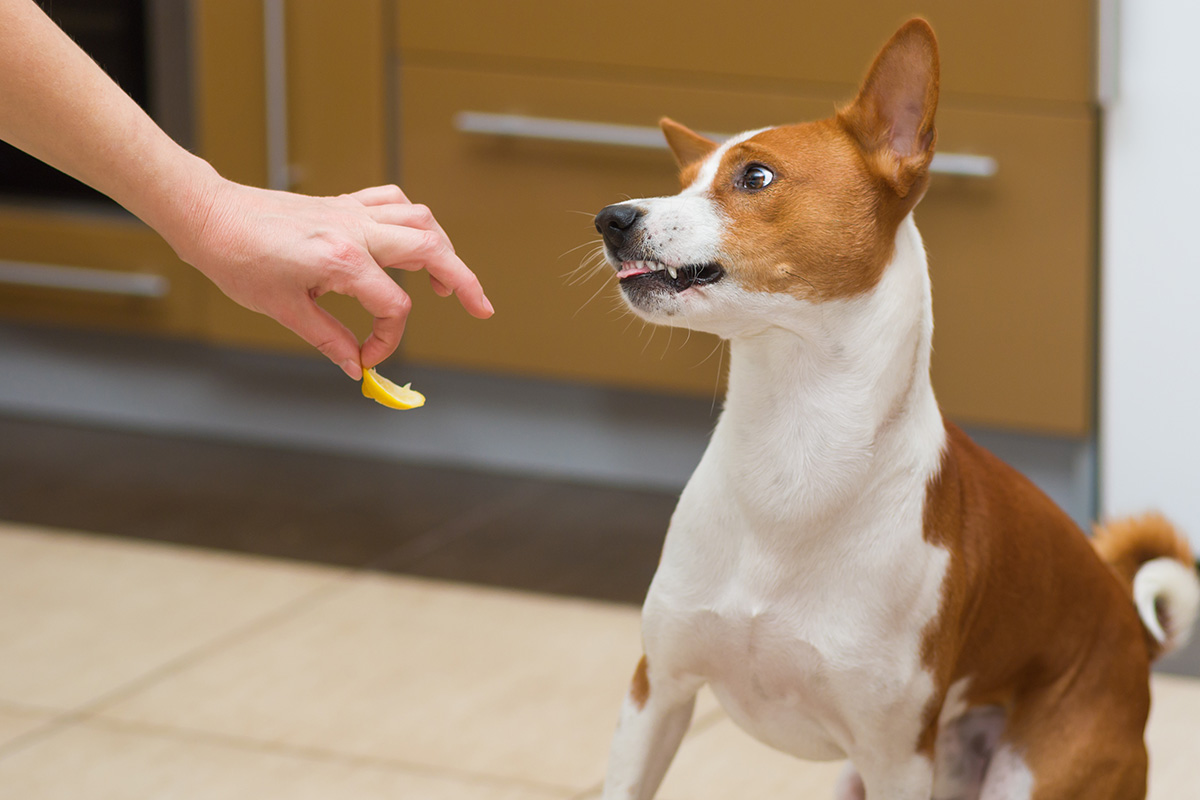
(503, 423)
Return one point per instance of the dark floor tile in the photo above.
(582, 541)
(316, 507)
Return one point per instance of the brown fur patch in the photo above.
(687, 146)
(825, 227)
(1037, 623)
(1126, 544)
(688, 175)
(639, 689)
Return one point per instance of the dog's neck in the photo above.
(834, 399)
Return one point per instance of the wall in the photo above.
(1150, 277)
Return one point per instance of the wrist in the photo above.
(184, 204)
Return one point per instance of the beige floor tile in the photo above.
(483, 680)
(82, 615)
(1173, 737)
(722, 761)
(103, 762)
(17, 722)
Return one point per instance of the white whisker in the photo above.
(595, 294)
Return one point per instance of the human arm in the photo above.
(273, 252)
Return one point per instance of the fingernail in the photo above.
(352, 368)
(488, 304)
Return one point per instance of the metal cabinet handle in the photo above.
(279, 170)
(519, 126)
(80, 279)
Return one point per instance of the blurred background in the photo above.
(137, 402)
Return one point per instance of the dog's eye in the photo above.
(755, 177)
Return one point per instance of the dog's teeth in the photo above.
(674, 273)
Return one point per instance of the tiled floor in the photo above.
(135, 669)
(459, 642)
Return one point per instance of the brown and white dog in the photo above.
(851, 574)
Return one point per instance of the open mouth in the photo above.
(649, 273)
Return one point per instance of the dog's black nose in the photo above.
(615, 222)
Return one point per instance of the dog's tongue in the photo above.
(631, 270)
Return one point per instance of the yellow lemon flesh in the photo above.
(384, 392)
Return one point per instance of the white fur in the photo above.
(708, 170)
(1175, 585)
(1008, 777)
(795, 577)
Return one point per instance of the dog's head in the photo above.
(803, 213)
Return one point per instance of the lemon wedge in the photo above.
(384, 392)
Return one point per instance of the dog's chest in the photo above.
(802, 646)
(777, 676)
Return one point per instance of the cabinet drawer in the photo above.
(1021, 49)
(1011, 255)
(1013, 265)
(94, 271)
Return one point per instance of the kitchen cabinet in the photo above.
(97, 270)
(1012, 253)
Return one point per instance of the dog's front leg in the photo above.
(654, 718)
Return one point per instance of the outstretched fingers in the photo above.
(407, 215)
(389, 206)
(413, 249)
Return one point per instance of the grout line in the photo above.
(421, 547)
(178, 663)
(311, 753)
(406, 555)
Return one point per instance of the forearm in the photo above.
(59, 106)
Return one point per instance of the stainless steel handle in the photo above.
(519, 126)
(279, 170)
(80, 279)
(964, 165)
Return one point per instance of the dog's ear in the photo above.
(892, 117)
(687, 145)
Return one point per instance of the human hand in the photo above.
(276, 252)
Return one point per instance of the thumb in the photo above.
(323, 331)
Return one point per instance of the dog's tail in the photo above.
(1156, 563)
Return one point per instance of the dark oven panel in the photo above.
(125, 37)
